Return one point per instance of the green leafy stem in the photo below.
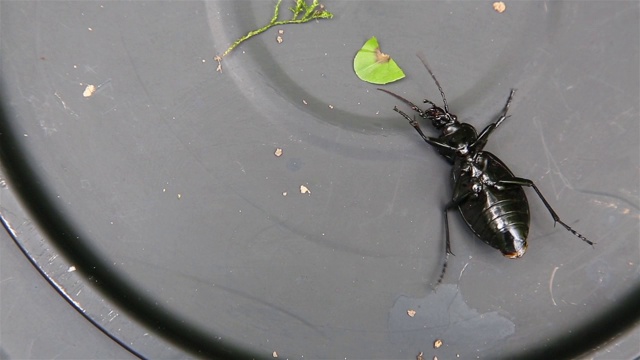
(308, 12)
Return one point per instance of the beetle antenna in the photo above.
(424, 62)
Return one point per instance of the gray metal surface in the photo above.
(189, 236)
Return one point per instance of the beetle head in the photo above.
(439, 117)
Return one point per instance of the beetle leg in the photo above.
(503, 116)
(459, 196)
(430, 140)
(526, 182)
(416, 125)
(413, 123)
(413, 106)
(482, 139)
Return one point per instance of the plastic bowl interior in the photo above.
(190, 236)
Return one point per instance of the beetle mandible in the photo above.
(489, 196)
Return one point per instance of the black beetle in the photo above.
(490, 198)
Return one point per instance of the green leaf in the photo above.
(374, 66)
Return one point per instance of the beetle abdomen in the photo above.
(500, 218)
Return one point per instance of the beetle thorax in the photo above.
(458, 134)
(451, 128)
(475, 166)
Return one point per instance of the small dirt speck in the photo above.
(89, 90)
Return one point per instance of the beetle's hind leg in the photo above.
(447, 240)
(460, 194)
(556, 218)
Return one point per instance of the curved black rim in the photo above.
(110, 283)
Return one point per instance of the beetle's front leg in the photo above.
(413, 106)
(503, 115)
(430, 140)
(482, 139)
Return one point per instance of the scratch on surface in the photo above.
(241, 167)
(552, 165)
(462, 271)
(623, 115)
(604, 82)
(630, 210)
(553, 275)
(622, 210)
(47, 130)
(70, 298)
(560, 93)
(88, 68)
(64, 105)
(395, 190)
(110, 110)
